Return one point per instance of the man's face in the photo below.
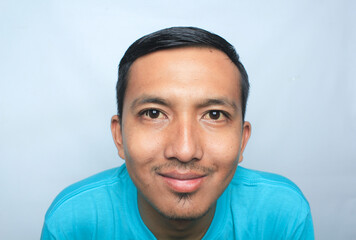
(182, 134)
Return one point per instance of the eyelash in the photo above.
(225, 114)
(146, 111)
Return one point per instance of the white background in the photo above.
(58, 70)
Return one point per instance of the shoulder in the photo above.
(89, 208)
(254, 178)
(269, 205)
(97, 207)
(87, 187)
(269, 192)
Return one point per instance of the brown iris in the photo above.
(152, 113)
(215, 115)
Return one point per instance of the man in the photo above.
(180, 128)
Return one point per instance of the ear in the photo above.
(246, 133)
(117, 135)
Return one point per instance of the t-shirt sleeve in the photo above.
(307, 229)
(46, 234)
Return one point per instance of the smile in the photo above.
(183, 182)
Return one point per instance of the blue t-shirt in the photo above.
(255, 205)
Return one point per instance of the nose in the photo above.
(184, 141)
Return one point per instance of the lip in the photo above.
(183, 182)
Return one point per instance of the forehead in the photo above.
(203, 55)
(201, 71)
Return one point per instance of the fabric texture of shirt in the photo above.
(255, 205)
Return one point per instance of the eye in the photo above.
(215, 115)
(152, 114)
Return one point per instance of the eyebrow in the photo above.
(218, 101)
(148, 99)
(203, 104)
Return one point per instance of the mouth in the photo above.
(188, 182)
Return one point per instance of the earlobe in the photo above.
(117, 135)
(246, 133)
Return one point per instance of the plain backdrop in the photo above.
(58, 70)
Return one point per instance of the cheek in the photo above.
(140, 153)
(223, 152)
(141, 148)
(224, 148)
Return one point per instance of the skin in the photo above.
(181, 117)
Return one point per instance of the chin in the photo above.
(183, 215)
(184, 210)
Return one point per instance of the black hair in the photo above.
(176, 37)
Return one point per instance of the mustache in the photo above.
(177, 165)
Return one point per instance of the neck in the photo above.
(165, 228)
